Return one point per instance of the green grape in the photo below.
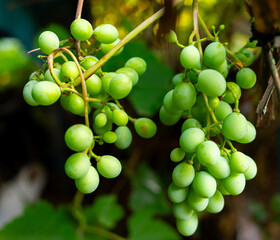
(109, 166)
(145, 127)
(94, 85)
(77, 165)
(184, 96)
(196, 202)
(106, 79)
(68, 71)
(45, 93)
(222, 69)
(216, 203)
(169, 104)
(81, 29)
(191, 139)
(120, 86)
(190, 123)
(190, 57)
(246, 78)
(233, 90)
(138, 64)
(88, 183)
(204, 184)
(119, 117)
(199, 112)
(214, 54)
(213, 102)
(188, 226)
(221, 188)
(223, 110)
(124, 137)
(177, 155)
(208, 153)
(250, 135)
(88, 62)
(176, 194)
(102, 130)
(100, 120)
(78, 137)
(131, 73)
(33, 76)
(48, 41)
(238, 162)
(235, 183)
(106, 33)
(76, 104)
(214, 131)
(110, 137)
(235, 126)
(193, 76)
(221, 169)
(64, 101)
(178, 78)
(246, 56)
(211, 82)
(183, 174)
(167, 118)
(251, 171)
(171, 37)
(182, 210)
(48, 76)
(27, 92)
(106, 47)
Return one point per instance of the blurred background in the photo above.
(33, 151)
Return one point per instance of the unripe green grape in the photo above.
(69, 71)
(216, 203)
(177, 155)
(251, 171)
(214, 131)
(78, 137)
(222, 110)
(238, 162)
(109, 166)
(190, 57)
(222, 69)
(250, 135)
(235, 183)
(33, 76)
(64, 101)
(169, 104)
(171, 37)
(208, 153)
(246, 78)
(76, 104)
(105, 48)
(119, 117)
(211, 82)
(120, 86)
(77, 165)
(100, 120)
(204, 184)
(81, 29)
(214, 54)
(106, 33)
(233, 89)
(191, 139)
(106, 79)
(48, 41)
(124, 137)
(88, 183)
(138, 64)
(82, 114)
(221, 188)
(27, 93)
(221, 169)
(176, 194)
(178, 78)
(246, 56)
(235, 126)
(184, 96)
(167, 118)
(145, 127)
(103, 97)
(102, 130)
(196, 202)
(190, 123)
(94, 85)
(88, 62)
(182, 210)
(48, 76)
(183, 174)
(45, 93)
(188, 226)
(131, 73)
(199, 112)
(110, 137)
(213, 102)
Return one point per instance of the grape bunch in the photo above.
(208, 164)
(99, 93)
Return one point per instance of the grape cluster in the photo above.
(100, 94)
(208, 164)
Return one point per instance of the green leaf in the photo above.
(41, 221)
(143, 225)
(104, 212)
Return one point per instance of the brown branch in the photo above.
(78, 15)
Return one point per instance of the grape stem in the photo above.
(78, 15)
(209, 109)
(195, 27)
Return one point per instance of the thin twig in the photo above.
(78, 15)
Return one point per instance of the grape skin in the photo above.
(81, 29)
(48, 41)
(88, 183)
(109, 166)
(77, 165)
(183, 175)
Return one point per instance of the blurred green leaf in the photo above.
(104, 212)
(258, 211)
(41, 221)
